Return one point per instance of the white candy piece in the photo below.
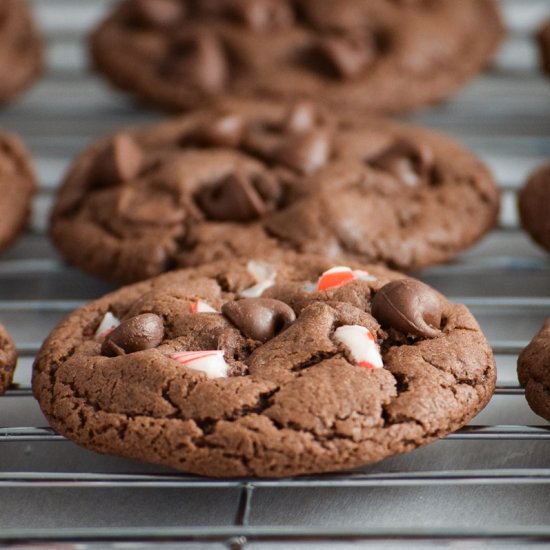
(108, 323)
(361, 344)
(202, 307)
(265, 275)
(337, 269)
(211, 362)
(364, 275)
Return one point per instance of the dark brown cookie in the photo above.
(21, 49)
(376, 55)
(248, 178)
(17, 187)
(8, 359)
(533, 200)
(534, 372)
(248, 368)
(543, 40)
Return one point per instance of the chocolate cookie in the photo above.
(8, 359)
(17, 186)
(533, 200)
(377, 55)
(248, 178)
(543, 40)
(21, 50)
(534, 372)
(248, 368)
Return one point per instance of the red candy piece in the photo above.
(335, 277)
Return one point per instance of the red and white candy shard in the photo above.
(107, 325)
(211, 362)
(264, 274)
(202, 307)
(361, 345)
(341, 275)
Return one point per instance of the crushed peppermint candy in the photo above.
(201, 307)
(341, 275)
(361, 345)
(107, 325)
(211, 362)
(264, 274)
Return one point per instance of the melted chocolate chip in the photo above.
(142, 332)
(224, 131)
(198, 60)
(409, 306)
(411, 163)
(347, 57)
(121, 160)
(159, 13)
(259, 318)
(239, 197)
(305, 152)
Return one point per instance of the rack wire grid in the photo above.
(486, 485)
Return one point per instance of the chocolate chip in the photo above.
(263, 14)
(259, 318)
(409, 306)
(120, 161)
(411, 163)
(305, 152)
(224, 131)
(159, 13)
(348, 57)
(239, 197)
(142, 332)
(199, 61)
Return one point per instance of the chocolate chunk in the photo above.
(347, 57)
(237, 198)
(259, 318)
(411, 163)
(409, 306)
(142, 332)
(224, 131)
(198, 60)
(263, 14)
(120, 161)
(305, 152)
(159, 13)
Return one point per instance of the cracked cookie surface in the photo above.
(377, 55)
(534, 372)
(8, 359)
(17, 187)
(21, 51)
(248, 368)
(246, 178)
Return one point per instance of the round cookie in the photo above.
(376, 55)
(251, 368)
(533, 200)
(8, 359)
(17, 187)
(21, 51)
(534, 372)
(247, 178)
(543, 41)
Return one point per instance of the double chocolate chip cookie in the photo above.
(543, 41)
(248, 178)
(250, 368)
(534, 372)
(381, 55)
(21, 50)
(17, 187)
(8, 359)
(533, 200)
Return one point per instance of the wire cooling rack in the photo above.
(487, 485)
